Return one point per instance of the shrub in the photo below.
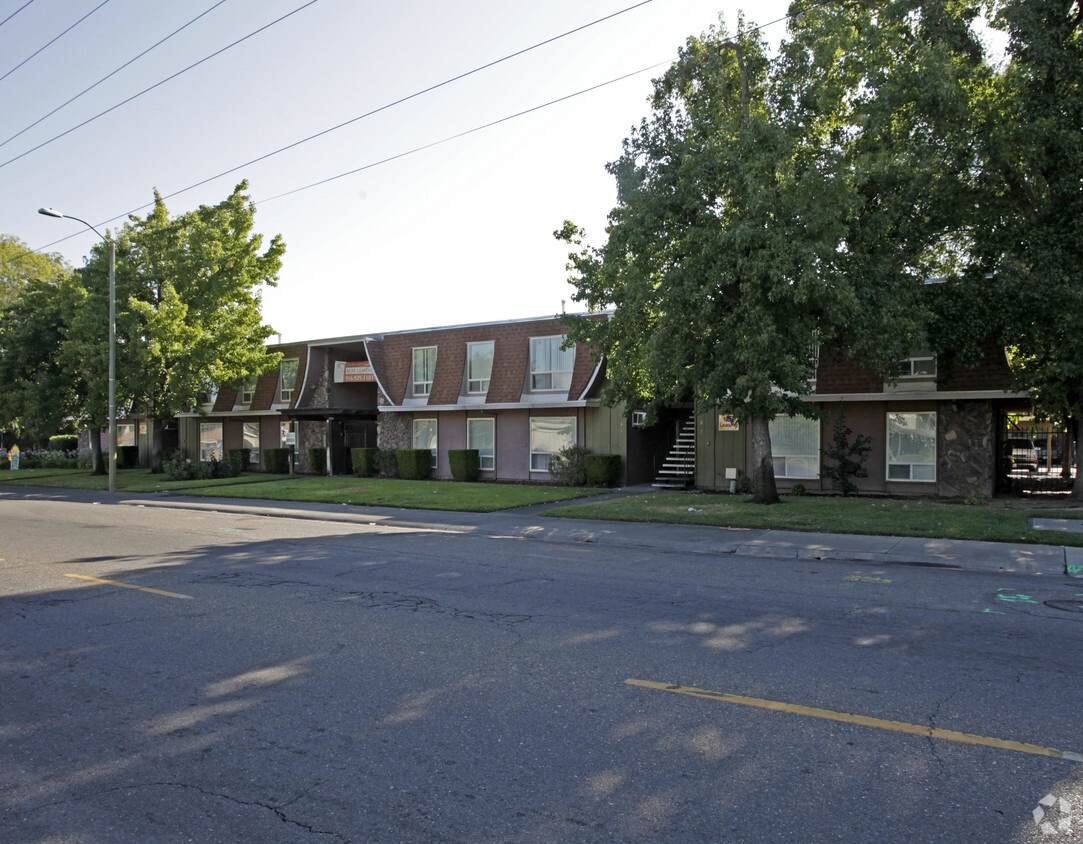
(387, 463)
(127, 456)
(848, 457)
(414, 463)
(797, 489)
(64, 442)
(238, 458)
(180, 467)
(365, 461)
(601, 469)
(277, 460)
(46, 459)
(465, 463)
(566, 466)
(317, 461)
(745, 484)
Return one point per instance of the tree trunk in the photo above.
(156, 464)
(763, 463)
(1072, 454)
(97, 463)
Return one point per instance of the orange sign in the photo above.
(353, 372)
(728, 423)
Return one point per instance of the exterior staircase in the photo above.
(678, 469)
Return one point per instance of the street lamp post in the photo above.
(112, 461)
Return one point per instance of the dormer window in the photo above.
(479, 366)
(248, 391)
(424, 367)
(287, 378)
(550, 365)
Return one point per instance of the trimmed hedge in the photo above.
(465, 463)
(317, 461)
(414, 463)
(238, 459)
(64, 442)
(365, 461)
(277, 460)
(602, 469)
(127, 456)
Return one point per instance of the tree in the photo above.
(1028, 254)
(773, 204)
(188, 294)
(39, 395)
(20, 264)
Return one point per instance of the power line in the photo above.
(158, 84)
(114, 73)
(13, 14)
(57, 38)
(443, 140)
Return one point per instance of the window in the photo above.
(548, 435)
(479, 366)
(425, 436)
(125, 434)
(921, 364)
(911, 446)
(481, 434)
(250, 434)
(550, 365)
(795, 445)
(248, 391)
(210, 441)
(423, 369)
(285, 435)
(287, 378)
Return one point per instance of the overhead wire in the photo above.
(159, 83)
(448, 139)
(113, 73)
(53, 41)
(13, 14)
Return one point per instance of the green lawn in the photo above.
(999, 521)
(128, 480)
(421, 495)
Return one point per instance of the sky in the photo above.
(460, 232)
(419, 233)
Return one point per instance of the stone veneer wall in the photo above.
(313, 433)
(965, 462)
(395, 430)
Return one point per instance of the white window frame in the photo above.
(920, 364)
(916, 471)
(285, 392)
(421, 386)
(435, 436)
(487, 457)
(477, 383)
(539, 457)
(793, 465)
(248, 390)
(250, 432)
(550, 379)
(206, 453)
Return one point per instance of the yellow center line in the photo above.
(129, 586)
(863, 720)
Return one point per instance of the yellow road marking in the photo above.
(863, 720)
(128, 586)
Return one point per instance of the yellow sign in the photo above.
(728, 423)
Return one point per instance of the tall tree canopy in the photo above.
(772, 204)
(20, 264)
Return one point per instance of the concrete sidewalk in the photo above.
(542, 524)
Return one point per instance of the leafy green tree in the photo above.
(188, 307)
(1028, 252)
(39, 395)
(20, 264)
(770, 205)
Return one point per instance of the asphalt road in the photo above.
(245, 678)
